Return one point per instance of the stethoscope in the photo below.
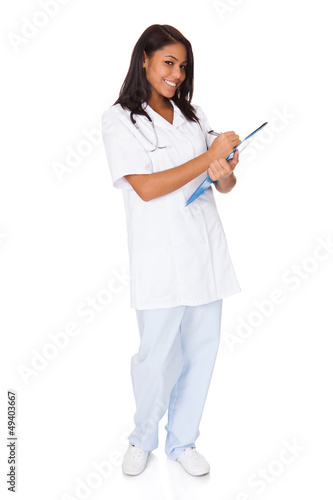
(156, 146)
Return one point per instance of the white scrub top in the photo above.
(177, 255)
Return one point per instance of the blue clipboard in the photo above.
(208, 181)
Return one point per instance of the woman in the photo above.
(159, 151)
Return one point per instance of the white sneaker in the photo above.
(193, 462)
(134, 461)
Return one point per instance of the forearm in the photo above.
(226, 183)
(150, 186)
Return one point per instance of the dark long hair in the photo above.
(135, 90)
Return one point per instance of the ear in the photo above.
(144, 62)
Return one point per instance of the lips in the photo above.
(170, 84)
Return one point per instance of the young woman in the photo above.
(159, 151)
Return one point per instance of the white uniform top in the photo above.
(178, 255)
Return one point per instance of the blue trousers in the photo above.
(172, 371)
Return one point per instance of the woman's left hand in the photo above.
(222, 168)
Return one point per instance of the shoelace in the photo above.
(190, 454)
(138, 451)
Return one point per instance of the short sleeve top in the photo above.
(178, 255)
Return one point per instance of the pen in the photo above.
(214, 133)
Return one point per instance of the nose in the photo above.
(176, 72)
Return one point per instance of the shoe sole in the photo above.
(195, 474)
(200, 474)
(131, 473)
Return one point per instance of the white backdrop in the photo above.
(67, 339)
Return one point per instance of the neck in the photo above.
(159, 102)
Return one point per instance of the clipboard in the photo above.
(208, 181)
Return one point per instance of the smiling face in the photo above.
(166, 71)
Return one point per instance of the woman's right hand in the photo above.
(223, 145)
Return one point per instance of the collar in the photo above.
(178, 117)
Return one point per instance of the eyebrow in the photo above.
(176, 59)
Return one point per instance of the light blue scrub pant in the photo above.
(172, 371)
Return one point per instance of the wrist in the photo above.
(209, 157)
(228, 179)
(226, 183)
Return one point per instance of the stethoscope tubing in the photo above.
(156, 146)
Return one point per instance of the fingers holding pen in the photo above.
(233, 138)
(224, 144)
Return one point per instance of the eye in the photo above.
(182, 66)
